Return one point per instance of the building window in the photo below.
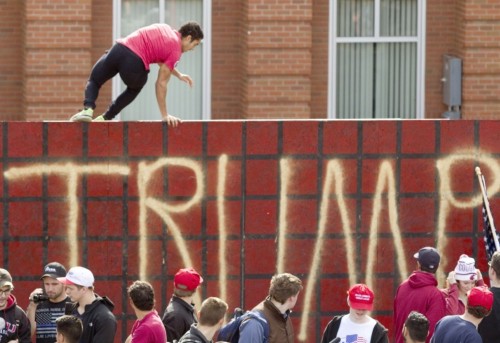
(376, 59)
(182, 101)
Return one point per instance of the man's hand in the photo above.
(172, 121)
(187, 79)
(36, 291)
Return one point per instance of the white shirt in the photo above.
(351, 332)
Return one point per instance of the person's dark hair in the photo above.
(142, 295)
(418, 326)
(70, 327)
(428, 270)
(212, 310)
(478, 311)
(495, 263)
(192, 29)
(284, 286)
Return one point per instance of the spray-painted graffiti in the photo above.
(333, 194)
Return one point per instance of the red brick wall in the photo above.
(319, 52)
(279, 59)
(57, 42)
(442, 27)
(481, 64)
(227, 69)
(102, 40)
(269, 59)
(241, 200)
(11, 43)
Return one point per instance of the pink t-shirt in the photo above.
(149, 329)
(157, 43)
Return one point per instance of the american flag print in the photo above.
(46, 322)
(355, 339)
(489, 241)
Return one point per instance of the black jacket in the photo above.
(17, 324)
(193, 336)
(178, 317)
(489, 328)
(99, 323)
(379, 334)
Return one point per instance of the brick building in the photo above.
(266, 58)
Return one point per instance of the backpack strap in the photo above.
(261, 319)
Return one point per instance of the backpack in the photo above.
(231, 331)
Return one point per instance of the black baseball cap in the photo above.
(54, 270)
(428, 257)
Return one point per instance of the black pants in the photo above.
(119, 59)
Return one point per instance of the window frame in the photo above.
(206, 46)
(333, 41)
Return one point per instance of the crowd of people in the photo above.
(67, 309)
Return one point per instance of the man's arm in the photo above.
(164, 74)
(31, 310)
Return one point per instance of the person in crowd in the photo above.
(460, 281)
(420, 293)
(211, 317)
(99, 323)
(489, 328)
(148, 328)
(357, 325)
(68, 329)
(47, 304)
(15, 325)
(180, 313)
(276, 309)
(416, 328)
(463, 328)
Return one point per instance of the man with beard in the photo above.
(47, 304)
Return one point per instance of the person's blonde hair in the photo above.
(212, 310)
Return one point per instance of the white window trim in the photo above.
(206, 106)
(332, 53)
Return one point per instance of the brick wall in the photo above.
(227, 69)
(270, 58)
(279, 59)
(442, 26)
(334, 202)
(11, 71)
(319, 52)
(57, 42)
(102, 39)
(481, 63)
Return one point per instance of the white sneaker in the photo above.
(84, 115)
(100, 118)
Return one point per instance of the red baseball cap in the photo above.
(361, 297)
(480, 296)
(187, 279)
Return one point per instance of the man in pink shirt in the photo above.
(131, 57)
(148, 328)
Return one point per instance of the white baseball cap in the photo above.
(79, 276)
